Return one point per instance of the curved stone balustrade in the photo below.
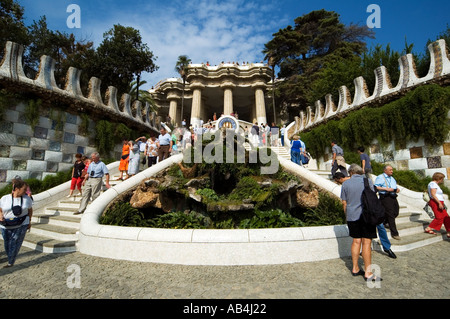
(11, 71)
(213, 246)
(439, 70)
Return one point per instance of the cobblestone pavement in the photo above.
(419, 273)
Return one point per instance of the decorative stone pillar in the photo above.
(173, 98)
(260, 105)
(228, 98)
(173, 111)
(196, 104)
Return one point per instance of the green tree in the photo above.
(143, 96)
(62, 47)
(181, 67)
(12, 27)
(120, 57)
(317, 41)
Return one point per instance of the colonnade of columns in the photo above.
(258, 112)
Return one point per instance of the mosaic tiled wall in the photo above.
(35, 153)
(414, 156)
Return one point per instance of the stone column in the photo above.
(260, 105)
(196, 104)
(228, 98)
(173, 99)
(173, 110)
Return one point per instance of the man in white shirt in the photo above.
(142, 142)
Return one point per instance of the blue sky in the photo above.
(234, 30)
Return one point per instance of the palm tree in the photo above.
(181, 67)
(143, 96)
(270, 57)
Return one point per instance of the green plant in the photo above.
(422, 112)
(122, 214)
(208, 194)
(32, 112)
(329, 212)
(83, 128)
(274, 218)
(180, 220)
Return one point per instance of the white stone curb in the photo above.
(208, 246)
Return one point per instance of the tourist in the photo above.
(274, 130)
(387, 190)
(296, 146)
(187, 139)
(282, 132)
(15, 219)
(302, 151)
(86, 160)
(77, 171)
(338, 161)
(28, 191)
(151, 151)
(123, 165)
(255, 134)
(183, 123)
(340, 178)
(93, 181)
(134, 163)
(437, 205)
(215, 117)
(361, 232)
(365, 161)
(141, 142)
(164, 145)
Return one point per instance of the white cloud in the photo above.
(205, 31)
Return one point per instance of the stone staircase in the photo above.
(54, 229)
(411, 224)
(282, 152)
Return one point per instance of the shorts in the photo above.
(359, 229)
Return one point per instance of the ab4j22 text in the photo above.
(246, 309)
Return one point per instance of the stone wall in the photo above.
(44, 150)
(414, 156)
(48, 148)
(383, 92)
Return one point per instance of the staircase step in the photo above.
(56, 232)
(49, 245)
(411, 241)
(72, 221)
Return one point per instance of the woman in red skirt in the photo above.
(77, 175)
(437, 205)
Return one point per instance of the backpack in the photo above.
(373, 211)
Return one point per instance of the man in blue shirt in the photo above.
(387, 189)
(164, 145)
(365, 161)
(93, 181)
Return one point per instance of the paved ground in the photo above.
(419, 273)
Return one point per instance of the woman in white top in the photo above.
(151, 151)
(133, 165)
(15, 216)
(437, 205)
